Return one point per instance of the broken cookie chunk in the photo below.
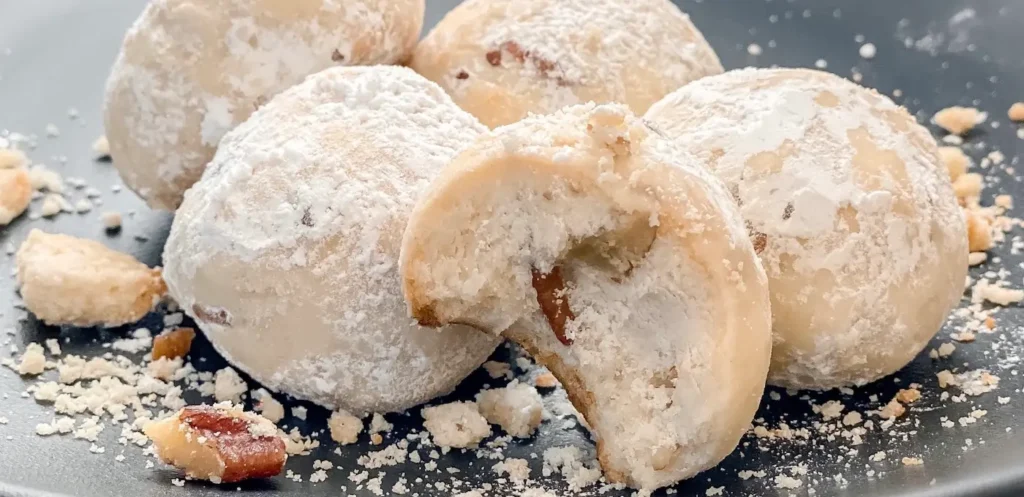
(68, 280)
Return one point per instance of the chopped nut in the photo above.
(173, 344)
(1004, 201)
(554, 302)
(222, 444)
(959, 120)
(15, 193)
(912, 461)
(68, 280)
(975, 258)
(1016, 112)
(956, 161)
(990, 323)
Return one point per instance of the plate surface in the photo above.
(54, 57)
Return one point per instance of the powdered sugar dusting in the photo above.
(314, 191)
(550, 54)
(845, 192)
(189, 72)
(547, 196)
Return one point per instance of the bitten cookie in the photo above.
(190, 71)
(503, 59)
(849, 206)
(286, 252)
(619, 263)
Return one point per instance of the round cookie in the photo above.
(190, 71)
(286, 251)
(502, 59)
(851, 210)
(620, 264)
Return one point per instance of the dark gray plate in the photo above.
(54, 55)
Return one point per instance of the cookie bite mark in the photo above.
(608, 257)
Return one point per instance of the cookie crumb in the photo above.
(33, 362)
(101, 147)
(959, 120)
(345, 427)
(946, 350)
(545, 380)
(787, 482)
(892, 410)
(1016, 112)
(955, 160)
(518, 470)
(908, 395)
(268, 406)
(11, 158)
(497, 369)
(228, 386)
(457, 424)
(868, 51)
(111, 220)
(517, 408)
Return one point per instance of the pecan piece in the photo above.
(173, 344)
(215, 315)
(219, 443)
(554, 302)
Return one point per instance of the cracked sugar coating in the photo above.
(286, 252)
(190, 71)
(503, 59)
(861, 236)
(621, 265)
